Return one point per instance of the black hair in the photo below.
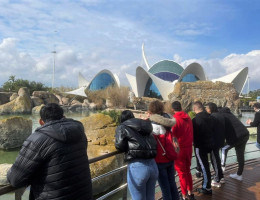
(50, 112)
(125, 115)
(176, 105)
(213, 107)
(257, 105)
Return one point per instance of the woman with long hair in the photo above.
(162, 124)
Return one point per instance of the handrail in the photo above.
(9, 188)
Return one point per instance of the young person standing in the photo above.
(183, 131)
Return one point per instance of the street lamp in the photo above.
(53, 72)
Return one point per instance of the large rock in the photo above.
(14, 96)
(37, 109)
(5, 97)
(13, 132)
(100, 131)
(36, 101)
(47, 97)
(3, 173)
(20, 105)
(220, 93)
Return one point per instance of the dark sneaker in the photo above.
(204, 191)
(198, 174)
(191, 197)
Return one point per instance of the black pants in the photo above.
(216, 163)
(202, 155)
(240, 146)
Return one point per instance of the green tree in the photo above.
(13, 85)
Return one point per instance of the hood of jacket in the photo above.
(225, 110)
(64, 130)
(164, 120)
(183, 115)
(144, 127)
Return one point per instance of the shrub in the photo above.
(115, 115)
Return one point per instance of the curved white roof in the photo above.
(116, 79)
(195, 69)
(139, 82)
(82, 81)
(238, 79)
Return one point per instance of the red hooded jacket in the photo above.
(183, 129)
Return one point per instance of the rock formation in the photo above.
(47, 97)
(20, 105)
(5, 97)
(222, 94)
(3, 173)
(13, 132)
(100, 131)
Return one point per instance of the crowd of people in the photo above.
(54, 161)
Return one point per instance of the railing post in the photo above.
(125, 181)
(19, 193)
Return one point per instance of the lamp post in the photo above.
(53, 72)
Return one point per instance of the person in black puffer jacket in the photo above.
(242, 136)
(134, 137)
(53, 160)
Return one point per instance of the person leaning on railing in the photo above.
(256, 122)
(53, 160)
(134, 137)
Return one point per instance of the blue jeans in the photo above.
(167, 181)
(141, 179)
(257, 145)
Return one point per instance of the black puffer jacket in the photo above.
(240, 129)
(53, 160)
(134, 137)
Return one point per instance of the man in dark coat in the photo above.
(256, 122)
(242, 136)
(53, 160)
(203, 143)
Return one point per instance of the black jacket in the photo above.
(203, 127)
(240, 129)
(54, 161)
(219, 129)
(256, 123)
(134, 137)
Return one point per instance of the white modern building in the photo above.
(159, 80)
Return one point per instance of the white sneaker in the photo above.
(215, 183)
(235, 176)
(223, 168)
(222, 181)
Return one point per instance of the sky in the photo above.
(91, 35)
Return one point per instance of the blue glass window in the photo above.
(151, 90)
(167, 76)
(102, 81)
(189, 78)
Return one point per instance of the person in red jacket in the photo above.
(183, 131)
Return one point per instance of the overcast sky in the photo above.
(90, 35)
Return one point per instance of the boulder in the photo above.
(5, 97)
(59, 97)
(47, 97)
(3, 173)
(37, 109)
(21, 105)
(75, 101)
(65, 100)
(92, 106)
(220, 93)
(36, 101)
(13, 132)
(100, 131)
(14, 96)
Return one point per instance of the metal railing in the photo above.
(19, 191)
